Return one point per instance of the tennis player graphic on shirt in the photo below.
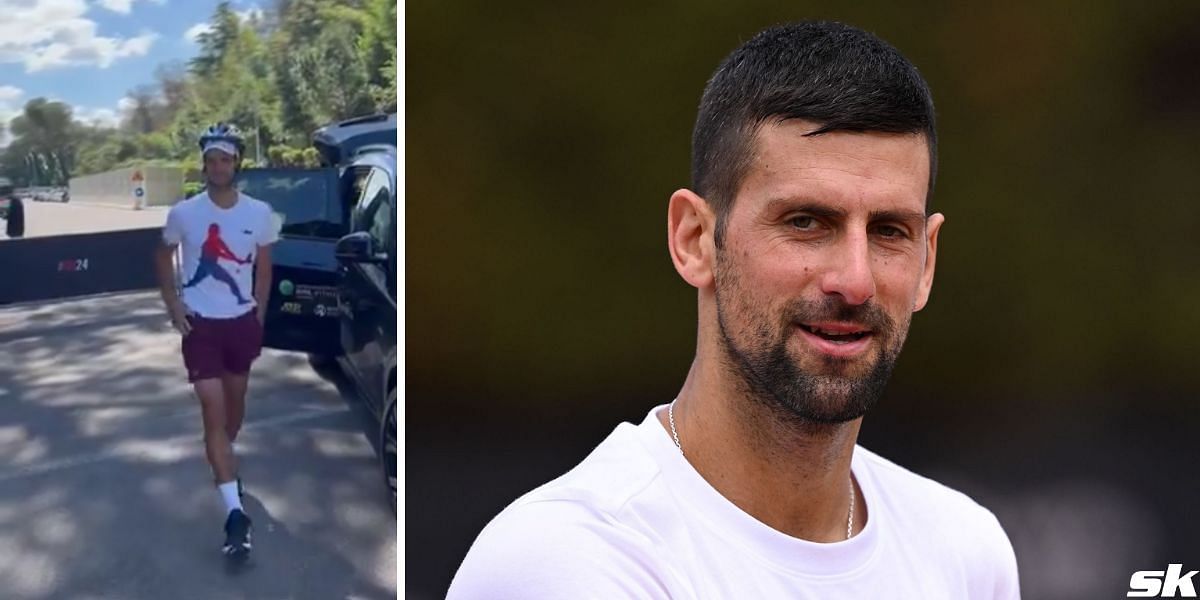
(211, 252)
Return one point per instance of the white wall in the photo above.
(164, 186)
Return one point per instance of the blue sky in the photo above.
(90, 53)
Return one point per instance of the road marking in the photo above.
(184, 444)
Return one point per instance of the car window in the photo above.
(305, 198)
(381, 223)
(377, 214)
(358, 181)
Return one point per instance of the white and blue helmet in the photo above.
(224, 137)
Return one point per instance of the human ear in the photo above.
(690, 228)
(933, 224)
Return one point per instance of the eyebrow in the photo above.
(904, 216)
(830, 212)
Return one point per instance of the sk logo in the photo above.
(1159, 584)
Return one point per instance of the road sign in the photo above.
(139, 195)
(137, 176)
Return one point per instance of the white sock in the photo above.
(230, 496)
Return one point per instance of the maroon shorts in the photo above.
(217, 347)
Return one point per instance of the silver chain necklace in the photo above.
(675, 434)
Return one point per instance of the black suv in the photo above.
(334, 294)
(367, 296)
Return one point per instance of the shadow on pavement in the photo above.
(105, 492)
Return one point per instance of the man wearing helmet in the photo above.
(220, 230)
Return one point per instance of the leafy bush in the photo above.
(191, 188)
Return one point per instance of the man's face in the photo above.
(219, 168)
(827, 253)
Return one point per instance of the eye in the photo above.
(891, 232)
(803, 223)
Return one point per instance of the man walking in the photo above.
(808, 237)
(221, 326)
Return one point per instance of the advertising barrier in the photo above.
(47, 268)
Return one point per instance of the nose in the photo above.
(849, 272)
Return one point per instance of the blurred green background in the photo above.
(1051, 376)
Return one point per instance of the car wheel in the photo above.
(387, 445)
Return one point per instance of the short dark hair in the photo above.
(838, 76)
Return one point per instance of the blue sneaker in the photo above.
(237, 535)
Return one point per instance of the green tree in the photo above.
(329, 81)
(214, 43)
(44, 144)
(385, 97)
(156, 145)
(43, 123)
(146, 114)
(302, 20)
(304, 64)
(174, 89)
(377, 44)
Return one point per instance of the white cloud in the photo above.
(254, 12)
(126, 104)
(105, 117)
(89, 50)
(138, 46)
(9, 93)
(196, 30)
(48, 34)
(122, 6)
(9, 108)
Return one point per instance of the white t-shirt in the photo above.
(219, 246)
(635, 520)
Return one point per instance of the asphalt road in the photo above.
(53, 218)
(105, 492)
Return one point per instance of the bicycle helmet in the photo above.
(224, 137)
